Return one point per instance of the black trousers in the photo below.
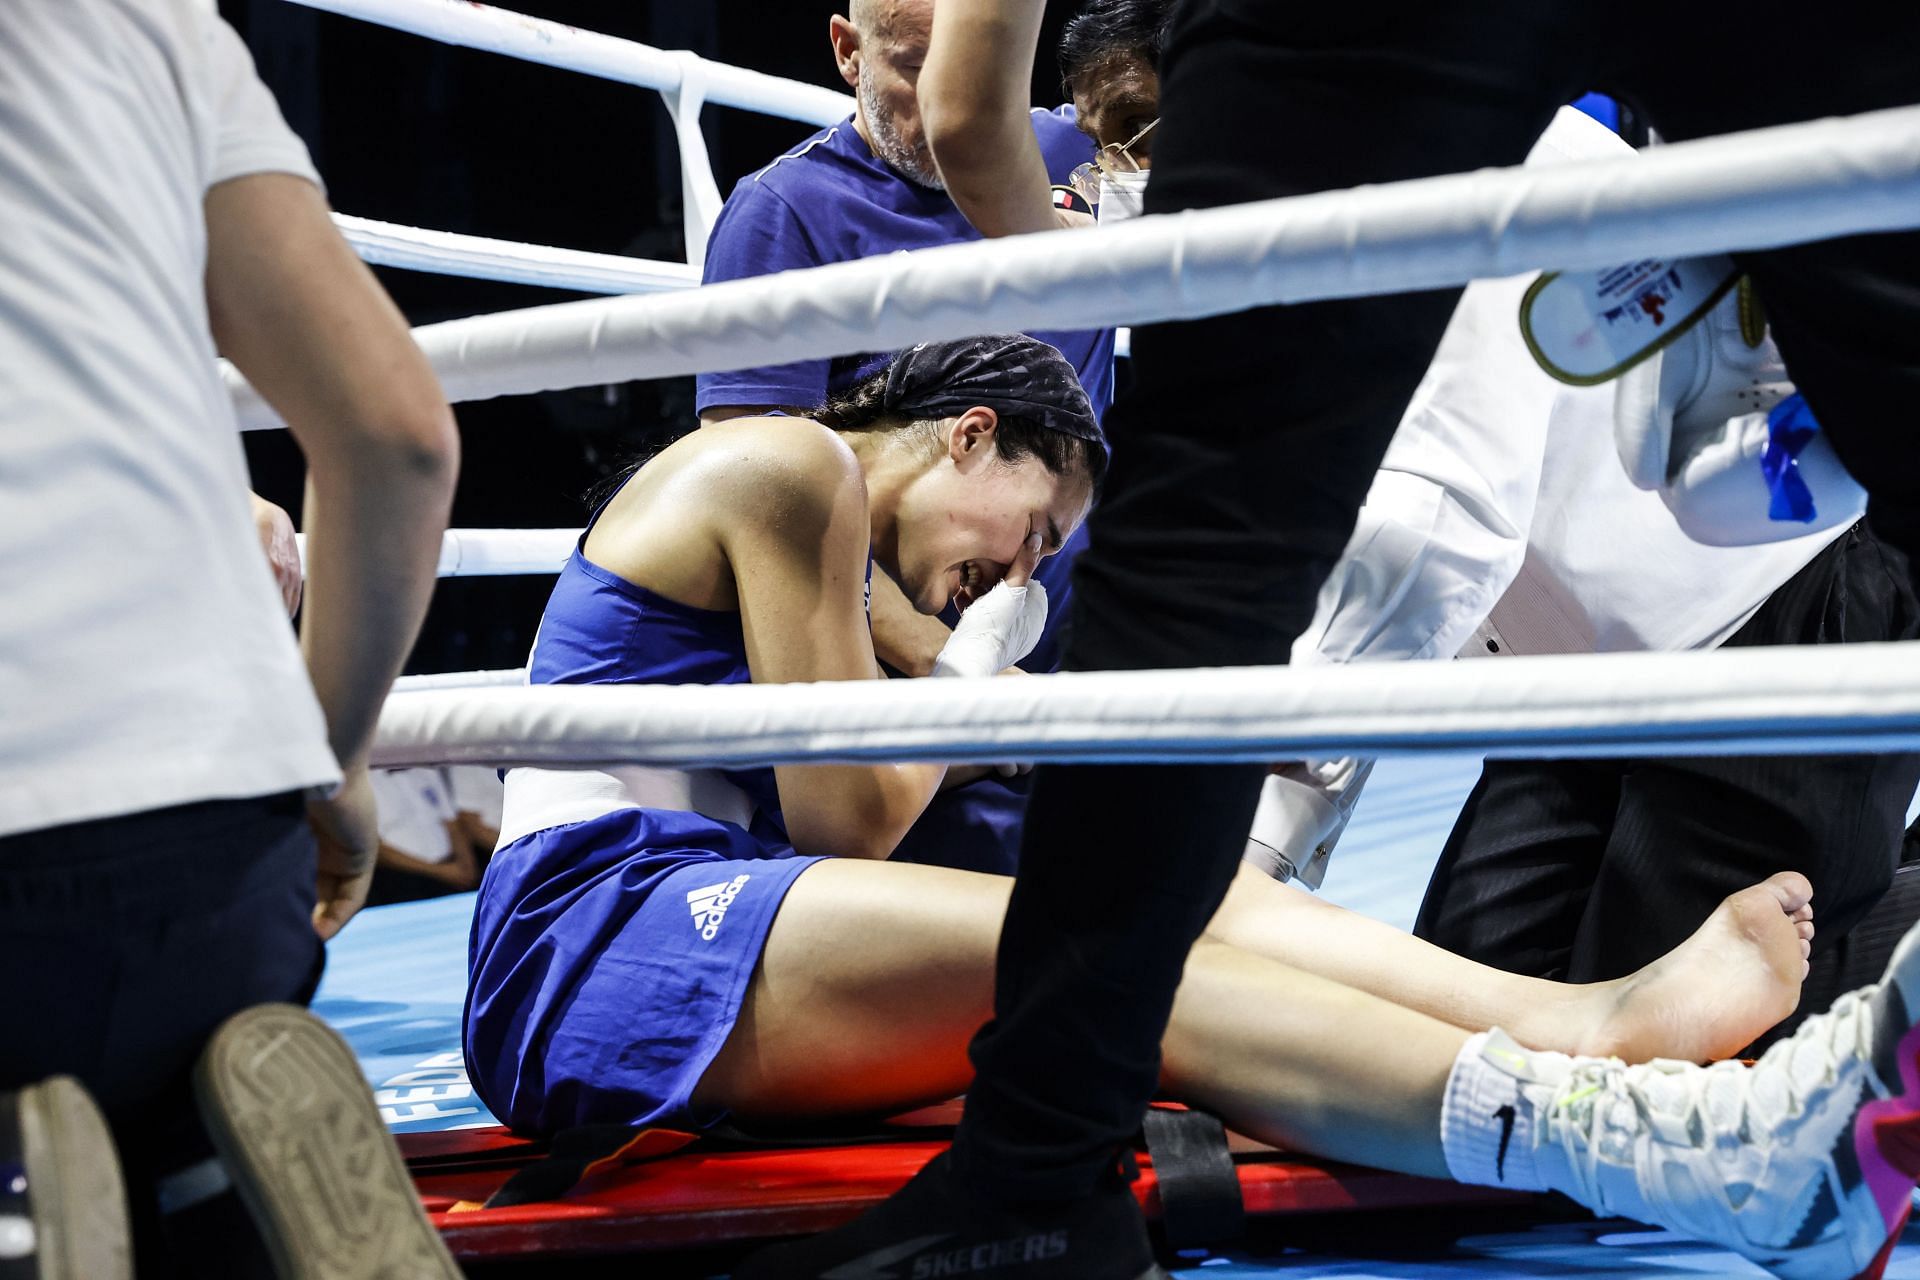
(1248, 441)
(1583, 870)
(125, 942)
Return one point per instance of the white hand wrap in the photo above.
(996, 631)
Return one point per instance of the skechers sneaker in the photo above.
(63, 1209)
(1804, 1163)
(933, 1228)
(297, 1127)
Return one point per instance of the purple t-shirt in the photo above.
(831, 199)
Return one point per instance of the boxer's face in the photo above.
(880, 50)
(1116, 97)
(963, 522)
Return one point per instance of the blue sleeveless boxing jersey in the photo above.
(609, 956)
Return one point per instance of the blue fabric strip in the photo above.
(1791, 427)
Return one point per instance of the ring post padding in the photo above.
(1752, 190)
(1827, 698)
(555, 44)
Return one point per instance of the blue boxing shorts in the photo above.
(608, 962)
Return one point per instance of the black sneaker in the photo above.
(297, 1127)
(63, 1207)
(934, 1228)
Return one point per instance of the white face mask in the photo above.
(1122, 196)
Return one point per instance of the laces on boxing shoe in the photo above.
(1804, 1163)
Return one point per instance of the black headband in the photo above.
(1009, 373)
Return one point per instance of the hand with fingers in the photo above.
(346, 828)
(1072, 220)
(275, 531)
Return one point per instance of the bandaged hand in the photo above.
(1001, 627)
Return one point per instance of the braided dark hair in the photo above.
(862, 407)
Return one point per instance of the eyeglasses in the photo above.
(1115, 157)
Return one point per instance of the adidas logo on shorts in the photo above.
(710, 905)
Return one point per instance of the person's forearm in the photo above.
(974, 97)
(856, 811)
(374, 519)
(1000, 183)
(306, 322)
(903, 637)
(447, 873)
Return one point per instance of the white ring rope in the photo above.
(483, 553)
(685, 81)
(1759, 189)
(389, 244)
(478, 553)
(555, 44)
(461, 680)
(1863, 697)
(449, 253)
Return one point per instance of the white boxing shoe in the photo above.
(1804, 1162)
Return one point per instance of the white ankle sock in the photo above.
(1488, 1116)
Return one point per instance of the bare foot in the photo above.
(1738, 975)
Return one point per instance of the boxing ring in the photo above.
(397, 975)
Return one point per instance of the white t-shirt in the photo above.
(415, 807)
(145, 658)
(477, 790)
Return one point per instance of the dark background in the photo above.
(408, 130)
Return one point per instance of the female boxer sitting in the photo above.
(656, 946)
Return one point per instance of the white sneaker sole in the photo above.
(285, 1103)
(73, 1180)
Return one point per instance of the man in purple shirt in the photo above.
(868, 186)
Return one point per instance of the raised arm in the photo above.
(309, 326)
(975, 91)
